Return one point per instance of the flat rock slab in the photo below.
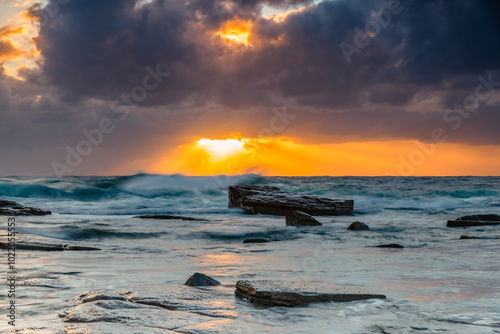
(274, 201)
(10, 208)
(199, 300)
(284, 293)
(169, 217)
(475, 220)
(151, 309)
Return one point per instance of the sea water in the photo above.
(436, 283)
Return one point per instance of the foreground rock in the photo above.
(476, 220)
(299, 218)
(168, 217)
(283, 293)
(10, 208)
(273, 201)
(358, 226)
(46, 247)
(154, 309)
(198, 279)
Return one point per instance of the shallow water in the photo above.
(437, 283)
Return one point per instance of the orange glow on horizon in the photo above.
(284, 157)
(236, 31)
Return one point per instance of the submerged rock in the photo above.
(273, 201)
(390, 246)
(168, 217)
(256, 241)
(39, 246)
(198, 279)
(476, 220)
(298, 218)
(284, 293)
(358, 226)
(10, 208)
(80, 248)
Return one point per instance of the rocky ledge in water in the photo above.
(390, 246)
(10, 208)
(475, 220)
(274, 201)
(284, 293)
(45, 247)
(168, 217)
(257, 240)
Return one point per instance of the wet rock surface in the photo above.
(284, 293)
(10, 208)
(358, 226)
(299, 218)
(26, 241)
(152, 309)
(475, 220)
(169, 217)
(198, 279)
(274, 201)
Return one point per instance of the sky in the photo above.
(273, 87)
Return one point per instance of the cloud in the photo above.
(417, 67)
(8, 30)
(9, 51)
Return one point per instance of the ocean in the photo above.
(437, 283)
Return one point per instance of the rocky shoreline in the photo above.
(202, 302)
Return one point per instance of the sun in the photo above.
(222, 148)
(236, 31)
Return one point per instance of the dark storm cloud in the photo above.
(426, 60)
(101, 49)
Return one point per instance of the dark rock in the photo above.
(390, 246)
(10, 208)
(198, 279)
(167, 217)
(273, 201)
(462, 237)
(80, 248)
(46, 247)
(358, 226)
(283, 293)
(255, 241)
(476, 220)
(298, 218)
(34, 246)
